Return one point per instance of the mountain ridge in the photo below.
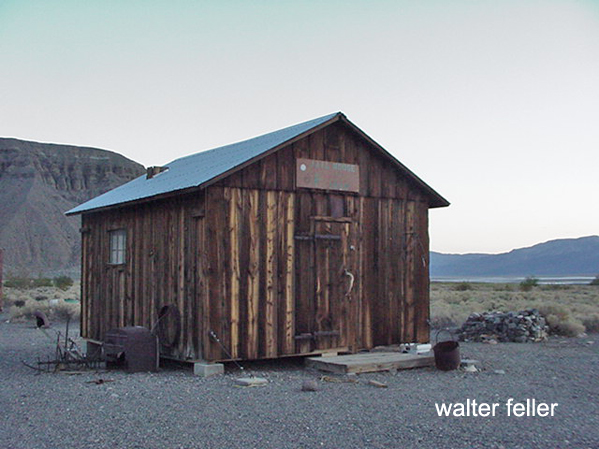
(38, 183)
(559, 257)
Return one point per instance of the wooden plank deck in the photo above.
(369, 362)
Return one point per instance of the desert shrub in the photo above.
(64, 310)
(595, 281)
(18, 282)
(63, 282)
(560, 321)
(556, 310)
(446, 314)
(442, 315)
(527, 284)
(556, 287)
(578, 304)
(591, 323)
(462, 287)
(23, 282)
(41, 282)
(54, 310)
(19, 303)
(570, 328)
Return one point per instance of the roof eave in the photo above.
(136, 202)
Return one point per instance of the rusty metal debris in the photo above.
(67, 357)
(99, 381)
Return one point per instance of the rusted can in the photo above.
(447, 355)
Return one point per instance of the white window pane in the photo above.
(118, 244)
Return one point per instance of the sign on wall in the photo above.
(326, 175)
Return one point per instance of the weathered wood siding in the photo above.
(160, 269)
(248, 264)
(269, 269)
(390, 296)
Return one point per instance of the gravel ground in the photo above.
(174, 409)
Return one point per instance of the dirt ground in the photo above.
(175, 409)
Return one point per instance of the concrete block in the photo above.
(468, 362)
(418, 348)
(208, 369)
(424, 348)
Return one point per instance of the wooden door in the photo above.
(332, 282)
(326, 277)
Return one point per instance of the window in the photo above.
(118, 245)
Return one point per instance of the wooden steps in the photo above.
(370, 362)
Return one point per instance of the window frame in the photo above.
(117, 247)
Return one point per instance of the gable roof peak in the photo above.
(199, 168)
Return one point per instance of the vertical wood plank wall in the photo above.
(251, 248)
(161, 269)
(227, 258)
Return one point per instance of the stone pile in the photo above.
(520, 327)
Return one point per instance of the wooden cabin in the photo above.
(306, 240)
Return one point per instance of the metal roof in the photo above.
(201, 168)
(197, 169)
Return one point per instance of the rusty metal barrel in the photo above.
(447, 354)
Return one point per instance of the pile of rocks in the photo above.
(521, 327)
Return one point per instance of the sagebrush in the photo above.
(569, 309)
(56, 303)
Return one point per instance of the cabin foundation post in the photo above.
(205, 369)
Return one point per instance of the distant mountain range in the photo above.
(38, 183)
(563, 257)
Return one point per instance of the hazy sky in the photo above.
(495, 104)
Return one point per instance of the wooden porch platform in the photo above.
(369, 362)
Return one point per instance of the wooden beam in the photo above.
(369, 362)
(253, 277)
(289, 291)
(270, 318)
(233, 231)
